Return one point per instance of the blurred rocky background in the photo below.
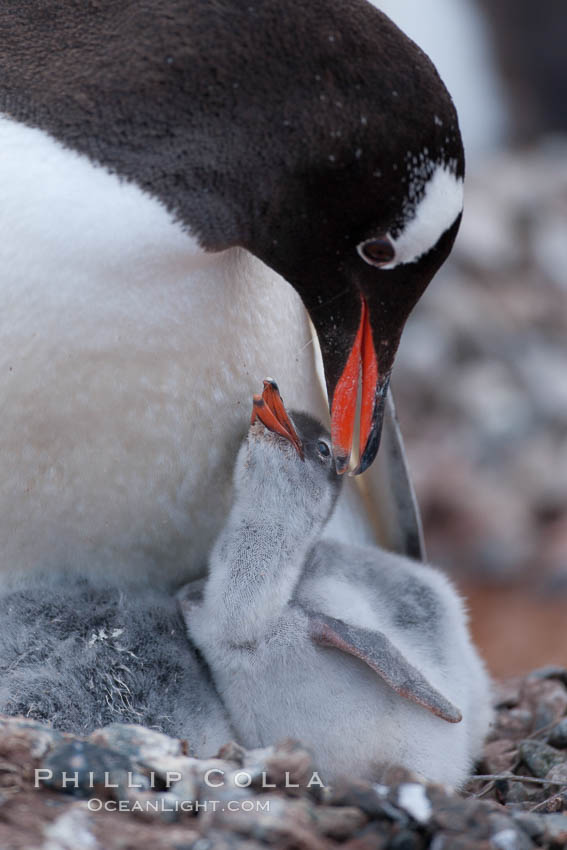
(481, 381)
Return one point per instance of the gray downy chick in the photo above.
(363, 655)
(80, 654)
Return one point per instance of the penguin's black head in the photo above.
(364, 217)
(359, 277)
(341, 167)
(316, 135)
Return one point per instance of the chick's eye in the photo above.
(323, 448)
(377, 252)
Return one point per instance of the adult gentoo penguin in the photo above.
(163, 165)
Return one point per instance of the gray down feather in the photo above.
(80, 655)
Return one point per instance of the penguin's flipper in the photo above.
(390, 495)
(380, 654)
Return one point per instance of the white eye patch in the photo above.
(436, 211)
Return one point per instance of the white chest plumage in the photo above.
(127, 360)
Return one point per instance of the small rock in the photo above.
(405, 840)
(516, 723)
(289, 764)
(511, 839)
(545, 716)
(284, 822)
(449, 841)
(539, 757)
(531, 824)
(37, 737)
(77, 767)
(73, 830)
(186, 789)
(551, 671)
(136, 742)
(499, 821)
(511, 723)
(339, 822)
(547, 700)
(500, 755)
(521, 792)
(375, 836)
(232, 752)
(558, 735)
(507, 694)
(558, 773)
(555, 829)
(556, 803)
(366, 797)
(467, 817)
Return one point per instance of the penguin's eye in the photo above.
(377, 252)
(323, 449)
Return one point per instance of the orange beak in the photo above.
(269, 409)
(362, 363)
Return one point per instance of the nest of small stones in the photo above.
(122, 790)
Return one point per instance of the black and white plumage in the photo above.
(180, 183)
(79, 655)
(363, 655)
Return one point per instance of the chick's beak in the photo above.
(269, 409)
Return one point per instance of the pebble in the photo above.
(41, 739)
(73, 830)
(531, 824)
(339, 822)
(367, 798)
(539, 757)
(500, 755)
(558, 773)
(405, 840)
(551, 671)
(450, 841)
(288, 764)
(519, 793)
(511, 839)
(137, 742)
(558, 735)
(288, 823)
(77, 767)
(555, 829)
(552, 707)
